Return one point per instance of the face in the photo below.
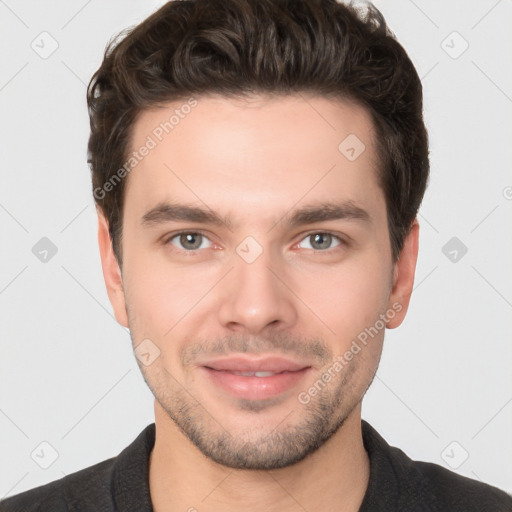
(257, 275)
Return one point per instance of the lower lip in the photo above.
(256, 388)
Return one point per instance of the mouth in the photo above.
(255, 379)
(249, 374)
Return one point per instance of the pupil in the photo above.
(325, 237)
(189, 239)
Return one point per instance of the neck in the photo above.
(334, 477)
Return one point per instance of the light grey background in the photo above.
(68, 376)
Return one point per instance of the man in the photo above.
(258, 166)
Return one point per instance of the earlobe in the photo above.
(403, 277)
(111, 271)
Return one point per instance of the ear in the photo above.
(403, 277)
(111, 271)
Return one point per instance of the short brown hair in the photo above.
(237, 47)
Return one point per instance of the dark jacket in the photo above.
(396, 483)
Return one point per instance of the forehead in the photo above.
(243, 153)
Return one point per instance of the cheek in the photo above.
(348, 299)
(161, 298)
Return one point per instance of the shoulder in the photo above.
(114, 484)
(403, 484)
(447, 490)
(87, 486)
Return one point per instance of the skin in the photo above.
(257, 160)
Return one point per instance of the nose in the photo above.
(257, 296)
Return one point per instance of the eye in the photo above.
(320, 241)
(189, 241)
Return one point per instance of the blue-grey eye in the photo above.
(321, 241)
(189, 241)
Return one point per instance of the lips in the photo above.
(253, 365)
(255, 378)
(251, 374)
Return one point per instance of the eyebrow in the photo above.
(318, 212)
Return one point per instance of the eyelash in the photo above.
(167, 240)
